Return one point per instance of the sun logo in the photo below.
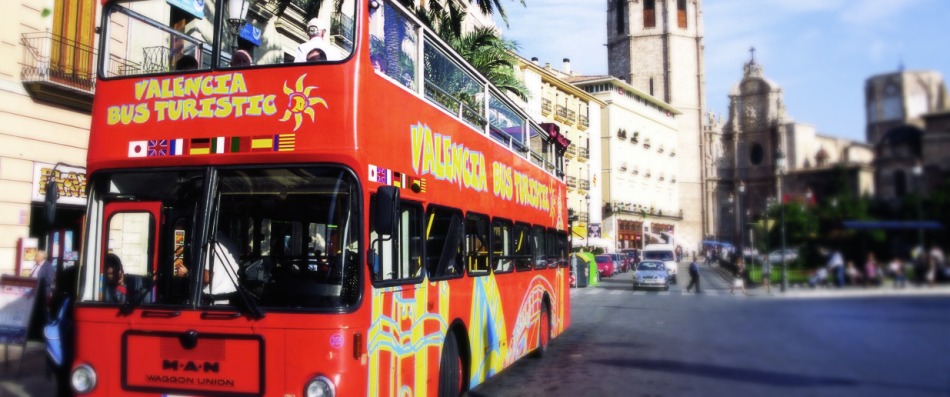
(300, 102)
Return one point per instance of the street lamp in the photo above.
(587, 239)
(741, 220)
(918, 172)
(780, 171)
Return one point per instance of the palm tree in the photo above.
(491, 55)
(483, 48)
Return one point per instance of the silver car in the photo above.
(651, 274)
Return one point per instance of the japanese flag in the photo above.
(138, 148)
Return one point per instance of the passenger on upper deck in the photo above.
(316, 42)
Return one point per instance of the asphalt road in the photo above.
(626, 343)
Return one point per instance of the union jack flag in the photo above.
(158, 148)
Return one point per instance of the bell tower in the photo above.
(657, 46)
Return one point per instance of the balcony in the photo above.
(545, 106)
(571, 182)
(583, 124)
(585, 185)
(58, 70)
(583, 217)
(583, 155)
(565, 115)
(571, 152)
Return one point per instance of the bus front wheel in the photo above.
(450, 369)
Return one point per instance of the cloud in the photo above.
(873, 13)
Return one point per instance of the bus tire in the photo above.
(450, 368)
(544, 331)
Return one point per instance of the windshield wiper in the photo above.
(136, 299)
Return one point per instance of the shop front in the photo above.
(61, 238)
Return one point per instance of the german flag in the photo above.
(200, 146)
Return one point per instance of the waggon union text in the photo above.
(187, 380)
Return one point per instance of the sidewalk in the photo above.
(849, 291)
(32, 380)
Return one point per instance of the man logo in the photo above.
(191, 366)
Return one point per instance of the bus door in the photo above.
(130, 240)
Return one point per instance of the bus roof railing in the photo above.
(496, 118)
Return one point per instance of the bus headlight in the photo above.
(83, 379)
(319, 386)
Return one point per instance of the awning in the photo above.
(893, 225)
(579, 231)
(193, 7)
(593, 242)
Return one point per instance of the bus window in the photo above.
(166, 38)
(398, 257)
(551, 247)
(444, 243)
(539, 253)
(501, 246)
(562, 257)
(523, 247)
(396, 61)
(294, 211)
(476, 244)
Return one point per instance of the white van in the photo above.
(665, 253)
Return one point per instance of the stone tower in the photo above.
(657, 46)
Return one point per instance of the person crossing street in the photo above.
(693, 276)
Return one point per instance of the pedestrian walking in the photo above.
(693, 276)
(870, 271)
(836, 266)
(767, 276)
(897, 269)
(738, 274)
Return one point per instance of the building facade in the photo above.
(639, 160)
(762, 155)
(575, 114)
(900, 107)
(47, 82)
(657, 47)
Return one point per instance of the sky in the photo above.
(820, 52)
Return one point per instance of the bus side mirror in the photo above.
(52, 195)
(386, 209)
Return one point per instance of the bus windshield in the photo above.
(166, 36)
(283, 237)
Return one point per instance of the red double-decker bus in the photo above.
(306, 198)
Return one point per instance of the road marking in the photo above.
(639, 292)
(664, 293)
(616, 292)
(596, 291)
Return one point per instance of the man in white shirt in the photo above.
(223, 277)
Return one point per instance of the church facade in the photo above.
(760, 155)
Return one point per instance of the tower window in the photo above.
(681, 13)
(621, 15)
(651, 86)
(649, 13)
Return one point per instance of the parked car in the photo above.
(791, 254)
(664, 253)
(620, 263)
(651, 274)
(605, 265)
(633, 256)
